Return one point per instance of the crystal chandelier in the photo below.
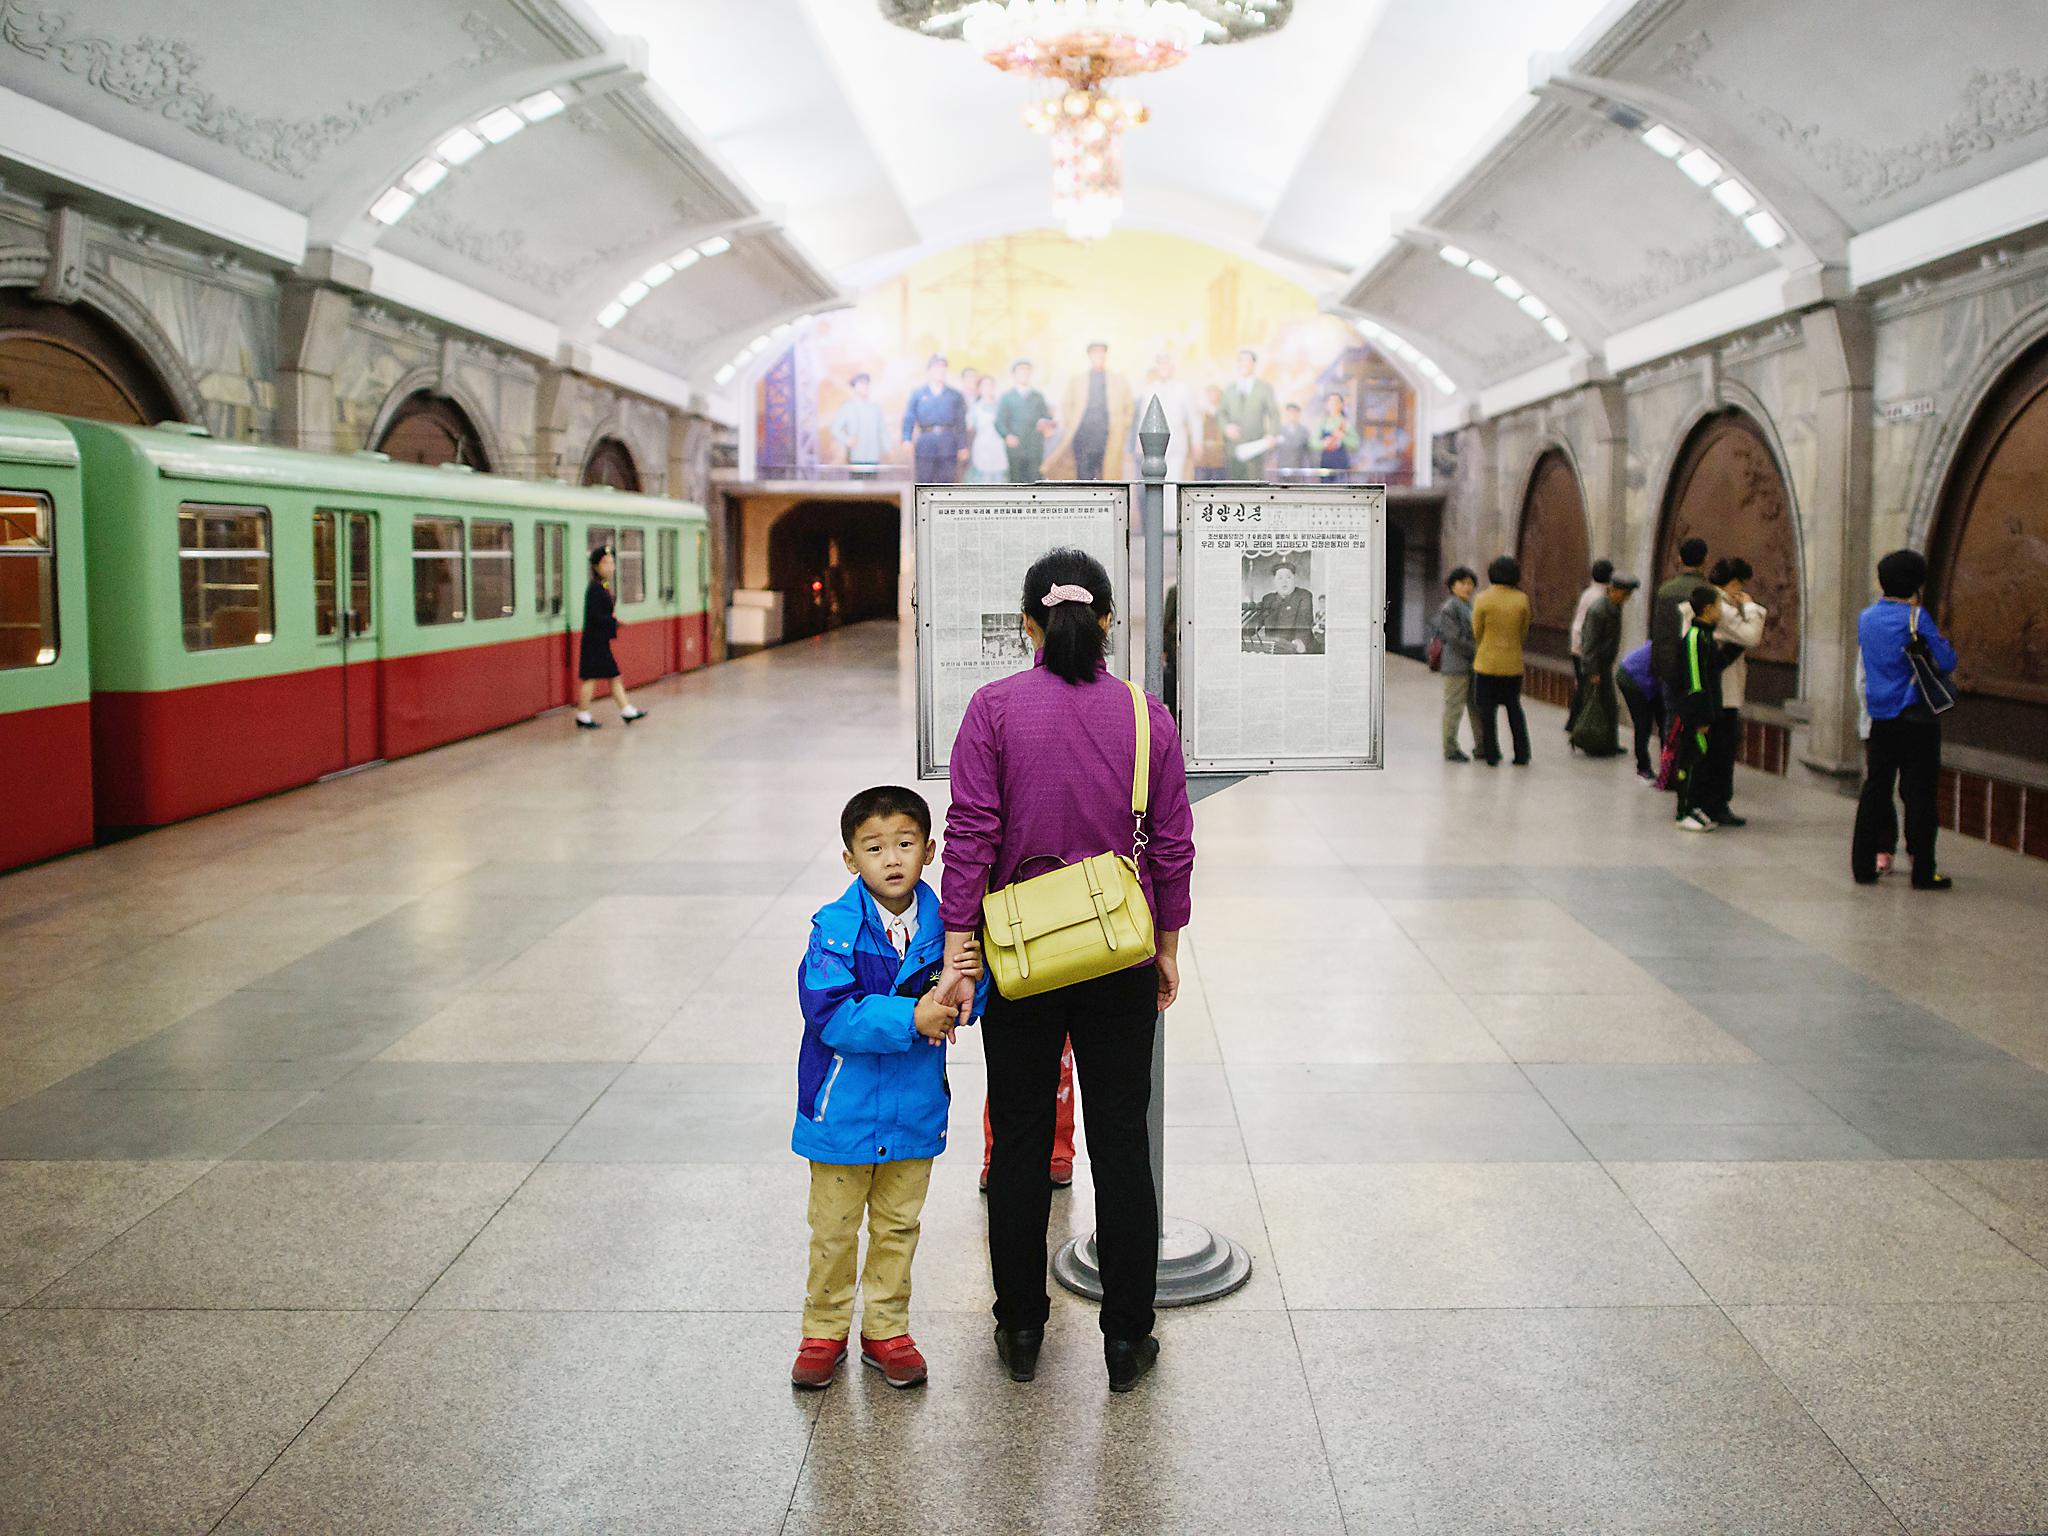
(1082, 45)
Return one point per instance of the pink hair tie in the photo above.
(1068, 594)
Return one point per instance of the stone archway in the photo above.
(65, 359)
(1554, 551)
(432, 429)
(1990, 558)
(1726, 487)
(611, 463)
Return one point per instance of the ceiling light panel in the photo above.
(426, 176)
(1735, 197)
(1455, 256)
(1484, 270)
(541, 106)
(500, 125)
(394, 205)
(1701, 167)
(459, 147)
(1765, 230)
(1663, 141)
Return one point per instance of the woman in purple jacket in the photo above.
(1041, 776)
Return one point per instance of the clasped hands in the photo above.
(950, 1002)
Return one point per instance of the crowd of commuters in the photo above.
(1686, 685)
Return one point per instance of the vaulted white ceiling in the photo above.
(831, 148)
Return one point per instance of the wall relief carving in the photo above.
(505, 251)
(161, 75)
(1663, 268)
(1998, 106)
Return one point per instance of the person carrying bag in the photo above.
(1055, 772)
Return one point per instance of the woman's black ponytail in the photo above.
(1074, 641)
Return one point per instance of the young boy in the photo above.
(872, 1099)
(1697, 683)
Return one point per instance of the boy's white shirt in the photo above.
(902, 930)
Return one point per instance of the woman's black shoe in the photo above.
(1128, 1360)
(1455, 756)
(1019, 1350)
(1933, 883)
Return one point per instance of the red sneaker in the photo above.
(897, 1359)
(816, 1360)
(1062, 1172)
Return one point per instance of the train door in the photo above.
(668, 580)
(347, 616)
(550, 550)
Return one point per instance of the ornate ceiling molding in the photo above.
(161, 76)
(1998, 107)
(505, 252)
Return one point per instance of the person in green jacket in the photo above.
(1250, 414)
(1335, 437)
(1025, 421)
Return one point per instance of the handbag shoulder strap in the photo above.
(1141, 761)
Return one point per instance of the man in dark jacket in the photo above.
(1698, 687)
(1667, 624)
(1596, 725)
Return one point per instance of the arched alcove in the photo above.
(1553, 550)
(432, 429)
(1990, 587)
(611, 463)
(1726, 487)
(67, 359)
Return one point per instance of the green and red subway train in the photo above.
(186, 624)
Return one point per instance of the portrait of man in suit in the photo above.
(1251, 420)
(1280, 608)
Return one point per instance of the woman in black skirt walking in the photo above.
(594, 659)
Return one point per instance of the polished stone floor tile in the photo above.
(307, 1236)
(296, 1141)
(1061, 1456)
(1790, 1233)
(139, 1124)
(53, 1215)
(1670, 1142)
(157, 1421)
(1941, 1408)
(460, 1093)
(1475, 967)
(1994, 1111)
(256, 1025)
(681, 1128)
(541, 1026)
(1277, 1026)
(1404, 1128)
(730, 1027)
(1628, 1028)
(1609, 1094)
(1266, 1078)
(2009, 1195)
(22, 1076)
(1464, 1235)
(665, 1424)
(84, 1022)
(1617, 1421)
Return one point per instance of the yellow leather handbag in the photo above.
(1079, 921)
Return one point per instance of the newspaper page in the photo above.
(974, 544)
(1282, 626)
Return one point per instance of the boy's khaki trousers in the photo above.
(892, 1195)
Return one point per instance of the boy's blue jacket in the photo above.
(869, 1087)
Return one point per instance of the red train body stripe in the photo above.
(161, 757)
(48, 807)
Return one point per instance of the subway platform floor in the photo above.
(410, 1154)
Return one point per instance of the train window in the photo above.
(362, 589)
(604, 538)
(540, 569)
(326, 573)
(437, 585)
(490, 568)
(28, 581)
(224, 576)
(670, 543)
(632, 565)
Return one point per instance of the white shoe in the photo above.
(1698, 822)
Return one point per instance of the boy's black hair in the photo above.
(598, 554)
(1730, 568)
(1902, 573)
(857, 380)
(1703, 598)
(1504, 571)
(884, 800)
(1460, 573)
(1692, 552)
(1602, 569)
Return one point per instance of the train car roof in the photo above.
(27, 437)
(181, 452)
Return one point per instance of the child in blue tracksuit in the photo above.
(879, 1006)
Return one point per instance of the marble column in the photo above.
(314, 308)
(1835, 529)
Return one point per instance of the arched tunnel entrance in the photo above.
(830, 560)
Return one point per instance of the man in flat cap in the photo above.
(1096, 410)
(1596, 725)
(936, 418)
